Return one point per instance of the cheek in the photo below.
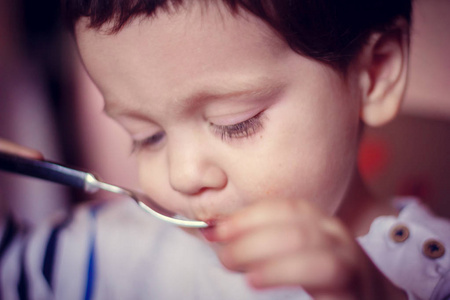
(311, 159)
(153, 179)
(305, 173)
(148, 178)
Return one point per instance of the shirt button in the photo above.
(433, 249)
(399, 233)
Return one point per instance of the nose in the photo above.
(193, 169)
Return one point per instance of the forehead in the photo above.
(177, 52)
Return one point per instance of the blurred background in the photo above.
(47, 102)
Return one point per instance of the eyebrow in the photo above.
(259, 88)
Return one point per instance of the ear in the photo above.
(383, 69)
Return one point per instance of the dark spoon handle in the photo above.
(42, 169)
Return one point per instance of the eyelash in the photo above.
(147, 142)
(243, 129)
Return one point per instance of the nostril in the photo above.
(202, 190)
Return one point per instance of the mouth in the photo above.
(209, 217)
(207, 207)
(209, 233)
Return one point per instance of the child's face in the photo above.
(225, 112)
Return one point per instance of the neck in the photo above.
(359, 207)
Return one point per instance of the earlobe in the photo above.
(383, 74)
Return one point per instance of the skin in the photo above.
(284, 192)
(9, 147)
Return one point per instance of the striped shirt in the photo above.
(116, 251)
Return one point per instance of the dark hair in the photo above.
(331, 31)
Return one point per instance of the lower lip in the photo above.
(209, 232)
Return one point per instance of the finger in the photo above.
(9, 147)
(263, 244)
(262, 214)
(318, 272)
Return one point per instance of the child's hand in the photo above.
(9, 147)
(291, 243)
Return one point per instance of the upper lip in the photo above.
(203, 207)
(205, 212)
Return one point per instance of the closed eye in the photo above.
(240, 130)
(149, 142)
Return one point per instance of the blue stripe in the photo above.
(8, 236)
(91, 268)
(50, 250)
(10, 232)
(90, 278)
(22, 286)
(49, 258)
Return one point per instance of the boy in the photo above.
(248, 114)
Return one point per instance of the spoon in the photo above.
(89, 183)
